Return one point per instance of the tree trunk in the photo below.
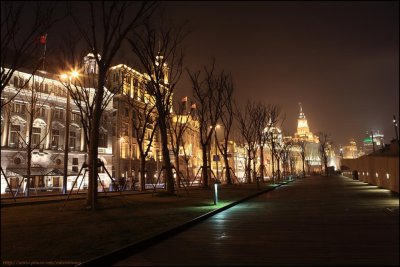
(178, 177)
(304, 167)
(227, 170)
(204, 171)
(278, 168)
(262, 167)
(142, 181)
(273, 164)
(255, 173)
(169, 179)
(248, 171)
(91, 199)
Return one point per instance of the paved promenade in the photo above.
(312, 221)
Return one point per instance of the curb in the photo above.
(121, 253)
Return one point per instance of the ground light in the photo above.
(216, 192)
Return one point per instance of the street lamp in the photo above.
(395, 128)
(67, 77)
(216, 146)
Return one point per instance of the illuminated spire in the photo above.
(301, 115)
(302, 125)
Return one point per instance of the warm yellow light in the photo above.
(387, 175)
(74, 74)
(64, 76)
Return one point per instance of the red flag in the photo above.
(41, 39)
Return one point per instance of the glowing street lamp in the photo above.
(395, 128)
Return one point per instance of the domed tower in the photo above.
(90, 64)
(165, 69)
(302, 125)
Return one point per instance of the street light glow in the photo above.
(74, 74)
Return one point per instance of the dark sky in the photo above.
(340, 59)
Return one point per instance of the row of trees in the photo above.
(157, 46)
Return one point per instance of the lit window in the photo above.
(36, 136)
(376, 174)
(387, 175)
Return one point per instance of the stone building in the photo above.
(37, 104)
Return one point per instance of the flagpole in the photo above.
(44, 50)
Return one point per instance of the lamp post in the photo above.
(395, 128)
(68, 78)
(216, 147)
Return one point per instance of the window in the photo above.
(126, 112)
(14, 135)
(124, 129)
(124, 149)
(114, 129)
(55, 138)
(36, 136)
(103, 139)
(72, 140)
(22, 83)
(58, 113)
(40, 111)
(15, 81)
(18, 108)
(75, 161)
(148, 132)
(74, 116)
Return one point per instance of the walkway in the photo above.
(313, 221)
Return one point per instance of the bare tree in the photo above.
(302, 145)
(248, 129)
(227, 122)
(286, 153)
(23, 29)
(261, 116)
(272, 135)
(209, 94)
(107, 27)
(144, 125)
(159, 52)
(178, 125)
(323, 150)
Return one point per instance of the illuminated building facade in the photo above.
(313, 161)
(47, 117)
(130, 99)
(373, 141)
(350, 151)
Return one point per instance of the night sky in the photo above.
(340, 59)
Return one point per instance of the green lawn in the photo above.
(44, 232)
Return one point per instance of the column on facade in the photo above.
(49, 129)
(28, 119)
(83, 139)
(6, 128)
(118, 132)
(82, 143)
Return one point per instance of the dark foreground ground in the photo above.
(312, 221)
